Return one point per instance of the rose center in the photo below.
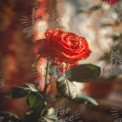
(73, 44)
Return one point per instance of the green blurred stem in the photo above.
(46, 78)
(34, 64)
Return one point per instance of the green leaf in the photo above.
(89, 9)
(82, 99)
(31, 87)
(49, 116)
(53, 71)
(96, 7)
(117, 37)
(9, 114)
(79, 11)
(66, 88)
(35, 100)
(29, 116)
(84, 73)
(17, 92)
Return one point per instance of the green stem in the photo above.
(45, 88)
(34, 64)
(46, 78)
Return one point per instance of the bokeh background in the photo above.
(100, 22)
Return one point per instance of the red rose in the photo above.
(111, 1)
(65, 46)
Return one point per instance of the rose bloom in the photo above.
(111, 1)
(63, 46)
